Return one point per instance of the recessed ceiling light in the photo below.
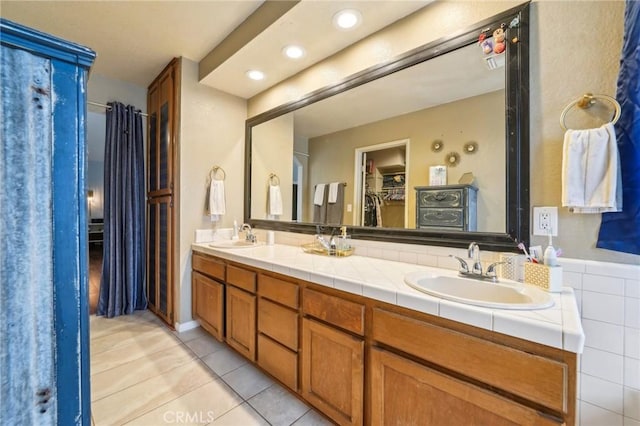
(292, 51)
(255, 75)
(347, 19)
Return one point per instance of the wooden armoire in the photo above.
(44, 314)
(163, 108)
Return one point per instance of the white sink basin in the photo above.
(503, 295)
(230, 244)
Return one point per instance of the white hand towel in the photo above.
(318, 196)
(275, 200)
(591, 179)
(333, 192)
(217, 205)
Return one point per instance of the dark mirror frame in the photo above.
(516, 135)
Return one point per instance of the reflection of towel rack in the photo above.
(274, 179)
(587, 101)
(213, 173)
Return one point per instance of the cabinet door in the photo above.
(241, 321)
(407, 393)
(332, 372)
(159, 257)
(207, 302)
(161, 131)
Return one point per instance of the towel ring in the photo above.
(587, 101)
(274, 179)
(214, 172)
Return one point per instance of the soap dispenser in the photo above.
(550, 256)
(343, 240)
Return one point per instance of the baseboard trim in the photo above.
(186, 326)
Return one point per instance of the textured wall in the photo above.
(211, 133)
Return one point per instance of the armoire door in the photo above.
(162, 126)
(44, 317)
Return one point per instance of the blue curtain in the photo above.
(621, 231)
(122, 286)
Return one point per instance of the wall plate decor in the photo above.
(470, 147)
(437, 145)
(452, 159)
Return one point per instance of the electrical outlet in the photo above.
(545, 220)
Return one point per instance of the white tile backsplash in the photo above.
(605, 336)
(602, 364)
(603, 307)
(632, 373)
(602, 393)
(632, 342)
(632, 288)
(602, 284)
(572, 279)
(592, 415)
(632, 403)
(628, 421)
(632, 312)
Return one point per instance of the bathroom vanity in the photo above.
(350, 338)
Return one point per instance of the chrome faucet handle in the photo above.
(491, 269)
(464, 267)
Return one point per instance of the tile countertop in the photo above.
(558, 326)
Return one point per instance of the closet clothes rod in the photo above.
(108, 107)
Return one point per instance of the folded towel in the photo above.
(216, 200)
(333, 192)
(591, 179)
(318, 197)
(274, 200)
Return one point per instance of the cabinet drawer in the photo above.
(535, 378)
(278, 361)
(441, 198)
(208, 266)
(280, 291)
(279, 323)
(334, 310)
(441, 217)
(241, 278)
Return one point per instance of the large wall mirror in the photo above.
(429, 148)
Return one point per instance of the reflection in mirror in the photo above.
(376, 140)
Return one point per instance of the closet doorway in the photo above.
(381, 176)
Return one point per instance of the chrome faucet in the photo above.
(330, 245)
(249, 237)
(474, 253)
(476, 268)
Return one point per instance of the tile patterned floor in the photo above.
(142, 373)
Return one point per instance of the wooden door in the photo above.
(161, 194)
(332, 372)
(241, 321)
(207, 301)
(404, 392)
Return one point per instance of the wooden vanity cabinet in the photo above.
(333, 357)
(362, 361)
(404, 392)
(487, 382)
(241, 311)
(278, 319)
(207, 294)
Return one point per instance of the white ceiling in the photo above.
(134, 40)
